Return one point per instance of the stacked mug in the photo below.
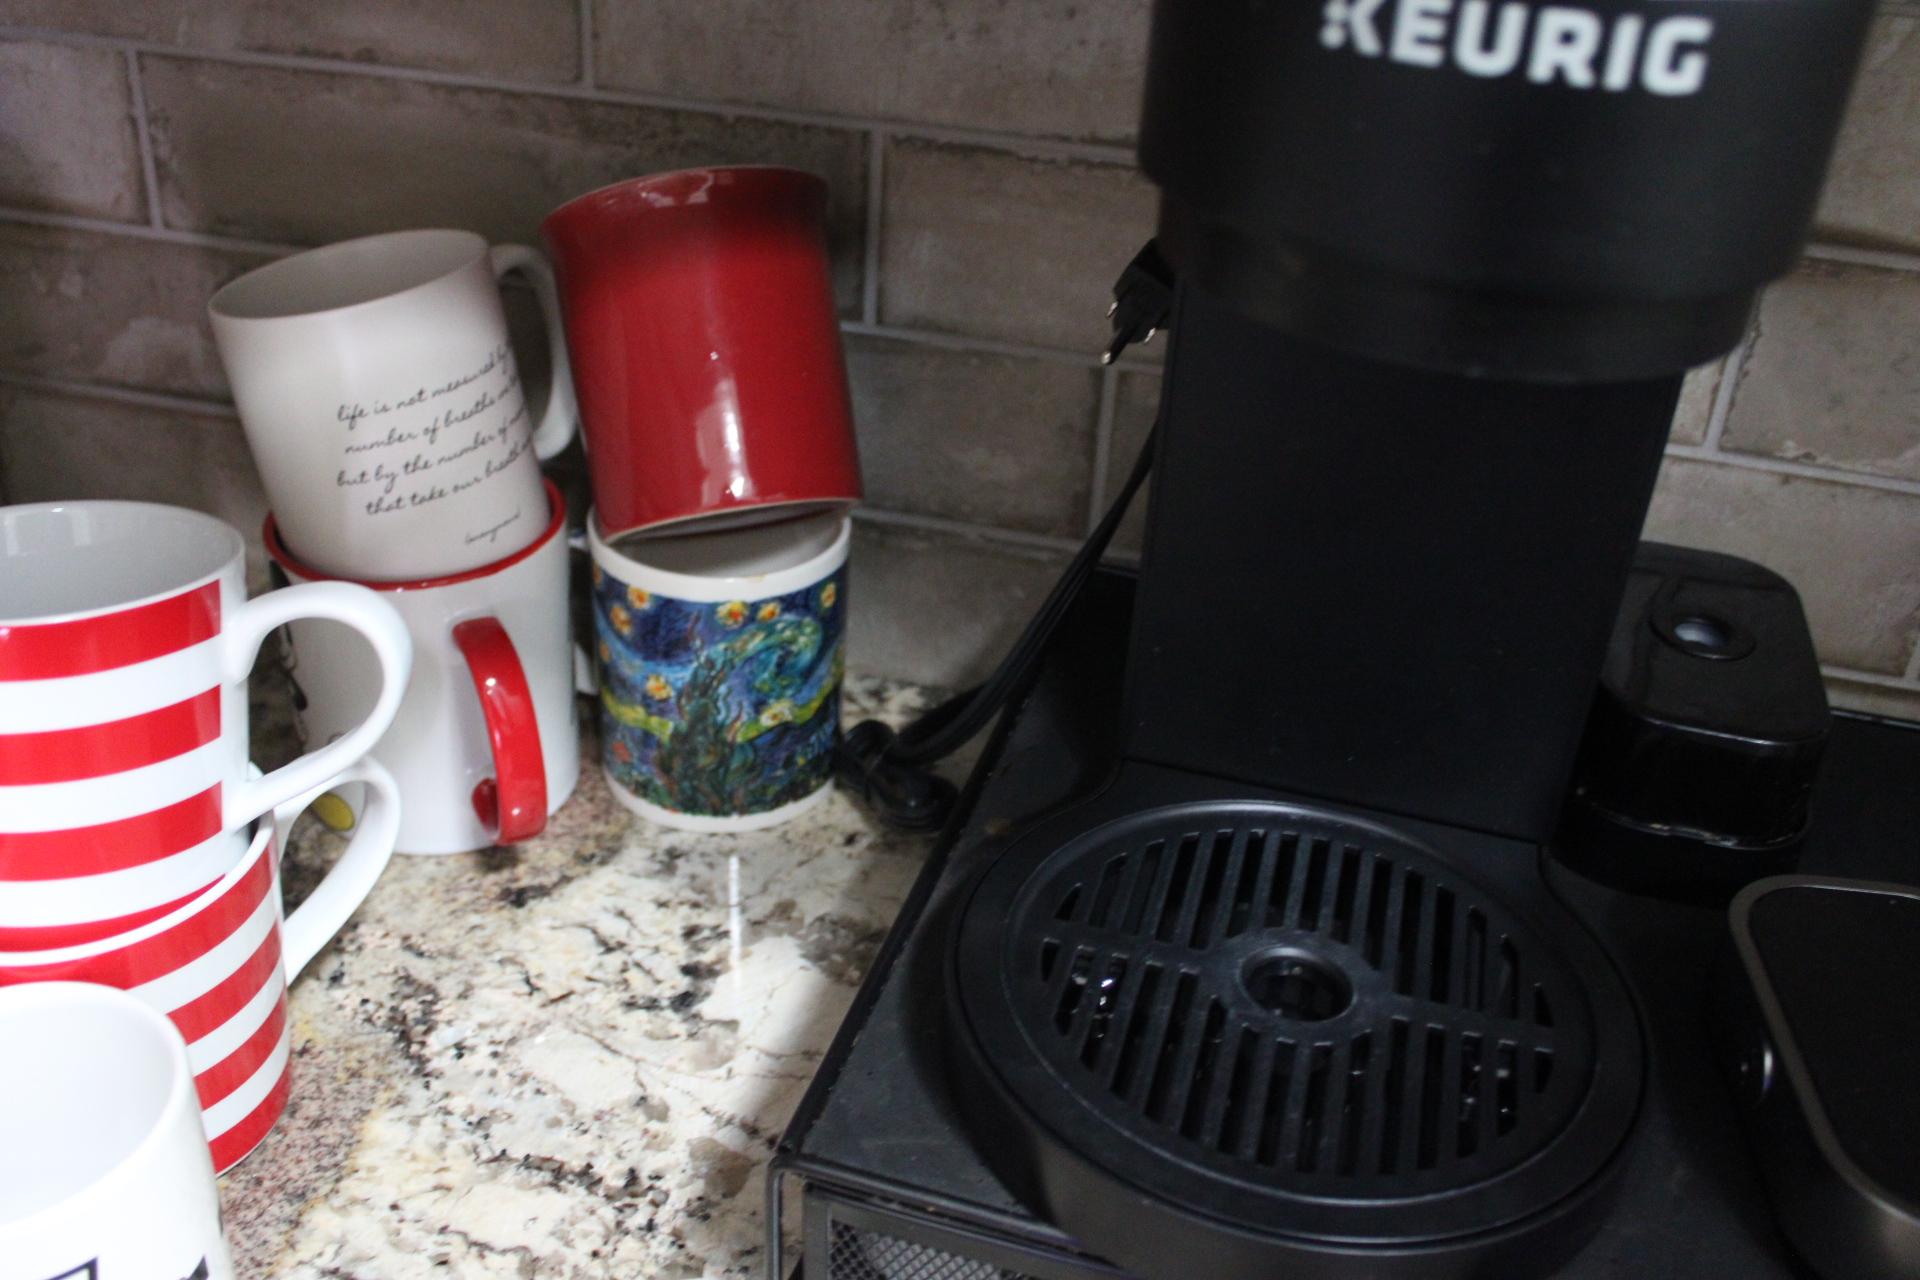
(139, 849)
(705, 349)
(385, 413)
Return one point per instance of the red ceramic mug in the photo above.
(705, 348)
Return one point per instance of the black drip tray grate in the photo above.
(1301, 999)
(1290, 1021)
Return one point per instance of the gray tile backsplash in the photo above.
(1873, 189)
(939, 607)
(984, 199)
(305, 157)
(91, 307)
(513, 39)
(57, 446)
(968, 435)
(1055, 68)
(1000, 245)
(1693, 417)
(68, 141)
(1833, 375)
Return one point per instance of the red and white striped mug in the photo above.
(219, 966)
(125, 641)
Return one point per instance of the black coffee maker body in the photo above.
(1444, 265)
(1289, 995)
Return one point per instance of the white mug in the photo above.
(126, 638)
(383, 406)
(106, 1174)
(486, 742)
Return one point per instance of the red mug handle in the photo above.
(512, 803)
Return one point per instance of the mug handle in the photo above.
(512, 803)
(557, 421)
(351, 878)
(585, 679)
(345, 602)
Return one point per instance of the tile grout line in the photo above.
(963, 342)
(1732, 366)
(121, 395)
(585, 11)
(876, 201)
(1906, 683)
(1038, 147)
(1097, 498)
(1804, 471)
(149, 170)
(1885, 259)
(143, 231)
(967, 529)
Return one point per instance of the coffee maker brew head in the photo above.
(1584, 192)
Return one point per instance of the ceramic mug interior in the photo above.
(758, 560)
(347, 274)
(79, 557)
(87, 1081)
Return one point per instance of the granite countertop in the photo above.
(569, 1058)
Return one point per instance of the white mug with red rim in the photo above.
(126, 637)
(106, 1173)
(486, 742)
(219, 966)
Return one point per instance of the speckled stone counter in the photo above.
(570, 1058)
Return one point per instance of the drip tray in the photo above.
(1290, 1038)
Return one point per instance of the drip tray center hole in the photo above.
(1297, 985)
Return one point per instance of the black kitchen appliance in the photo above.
(890, 1180)
(1245, 960)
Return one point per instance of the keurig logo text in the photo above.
(1547, 44)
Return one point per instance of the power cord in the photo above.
(889, 770)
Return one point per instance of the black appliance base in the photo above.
(896, 1187)
(1200, 1020)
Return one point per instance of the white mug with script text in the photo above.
(383, 406)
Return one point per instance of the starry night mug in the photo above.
(720, 659)
(383, 406)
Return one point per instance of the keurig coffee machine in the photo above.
(1244, 959)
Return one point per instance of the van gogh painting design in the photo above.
(719, 709)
